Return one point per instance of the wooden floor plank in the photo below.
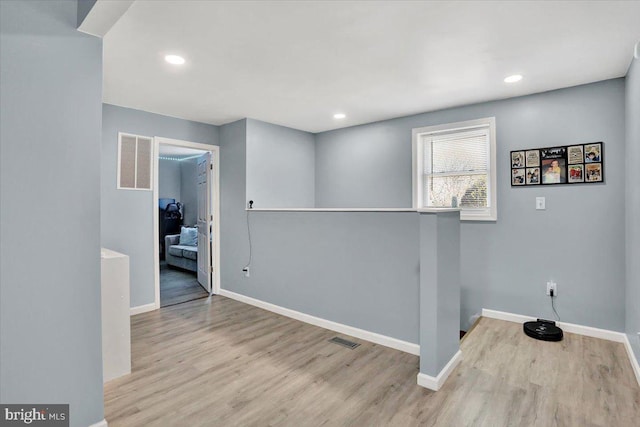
(218, 362)
(178, 286)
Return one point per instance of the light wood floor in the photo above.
(178, 286)
(223, 363)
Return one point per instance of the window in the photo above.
(454, 164)
(134, 162)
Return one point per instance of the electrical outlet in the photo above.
(540, 203)
(247, 272)
(552, 285)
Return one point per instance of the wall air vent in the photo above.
(134, 162)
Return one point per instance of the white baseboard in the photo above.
(632, 358)
(434, 383)
(509, 317)
(102, 423)
(567, 327)
(143, 308)
(588, 331)
(384, 340)
(592, 332)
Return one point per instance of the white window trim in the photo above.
(135, 188)
(466, 214)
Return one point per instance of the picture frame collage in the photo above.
(566, 164)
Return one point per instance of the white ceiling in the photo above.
(298, 63)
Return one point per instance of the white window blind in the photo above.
(455, 167)
(134, 162)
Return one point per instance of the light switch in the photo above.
(540, 203)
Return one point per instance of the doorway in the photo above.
(186, 213)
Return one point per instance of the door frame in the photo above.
(215, 196)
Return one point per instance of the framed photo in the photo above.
(576, 173)
(566, 164)
(533, 158)
(517, 159)
(593, 153)
(575, 154)
(554, 171)
(518, 176)
(533, 176)
(593, 172)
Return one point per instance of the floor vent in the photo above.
(343, 342)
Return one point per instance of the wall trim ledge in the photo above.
(435, 383)
(588, 331)
(373, 337)
(142, 308)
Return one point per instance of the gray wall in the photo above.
(84, 7)
(366, 166)
(633, 205)
(234, 247)
(439, 290)
(578, 240)
(177, 180)
(127, 216)
(169, 179)
(189, 190)
(319, 263)
(50, 110)
(356, 268)
(280, 166)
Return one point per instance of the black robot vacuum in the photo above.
(545, 330)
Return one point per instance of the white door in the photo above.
(204, 221)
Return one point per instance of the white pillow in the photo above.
(189, 236)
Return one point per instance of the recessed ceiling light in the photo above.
(513, 79)
(339, 116)
(174, 59)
